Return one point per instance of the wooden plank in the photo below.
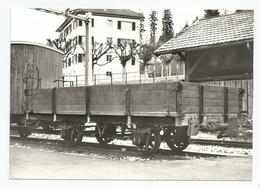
(190, 93)
(149, 108)
(150, 86)
(190, 101)
(233, 110)
(210, 89)
(213, 109)
(190, 109)
(213, 95)
(209, 102)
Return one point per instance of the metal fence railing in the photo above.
(115, 78)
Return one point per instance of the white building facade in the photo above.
(106, 26)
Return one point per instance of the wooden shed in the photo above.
(32, 66)
(219, 51)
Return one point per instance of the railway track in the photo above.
(109, 150)
(223, 143)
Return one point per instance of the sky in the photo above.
(34, 26)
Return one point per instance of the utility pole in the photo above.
(88, 53)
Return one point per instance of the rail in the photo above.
(227, 143)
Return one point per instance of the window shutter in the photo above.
(119, 25)
(80, 39)
(92, 22)
(133, 61)
(80, 22)
(133, 26)
(80, 58)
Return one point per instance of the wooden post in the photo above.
(88, 57)
(201, 103)
(225, 104)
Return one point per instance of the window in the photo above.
(124, 41)
(109, 73)
(133, 61)
(119, 25)
(109, 40)
(92, 40)
(92, 22)
(80, 39)
(133, 26)
(79, 57)
(109, 23)
(126, 26)
(109, 58)
(80, 22)
(69, 62)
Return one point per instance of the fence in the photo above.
(115, 78)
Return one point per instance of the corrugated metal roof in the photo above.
(212, 31)
(119, 13)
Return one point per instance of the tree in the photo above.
(209, 13)
(146, 53)
(99, 50)
(153, 26)
(62, 45)
(142, 29)
(167, 26)
(126, 51)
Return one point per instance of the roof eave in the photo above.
(173, 51)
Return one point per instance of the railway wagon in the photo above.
(145, 113)
(32, 66)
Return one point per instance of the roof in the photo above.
(35, 44)
(119, 13)
(225, 29)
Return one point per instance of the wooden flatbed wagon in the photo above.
(147, 113)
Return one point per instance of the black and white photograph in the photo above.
(131, 93)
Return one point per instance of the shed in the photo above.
(218, 50)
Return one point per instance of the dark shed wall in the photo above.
(220, 63)
(26, 59)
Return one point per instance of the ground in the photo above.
(31, 163)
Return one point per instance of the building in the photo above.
(218, 50)
(107, 26)
(159, 70)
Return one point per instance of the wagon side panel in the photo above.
(41, 101)
(108, 100)
(153, 99)
(190, 98)
(71, 100)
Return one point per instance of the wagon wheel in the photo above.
(104, 133)
(153, 142)
(23, 132)
(75, 136)
(175, 142)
